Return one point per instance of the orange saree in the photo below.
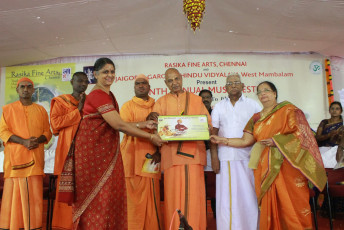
(282, 172)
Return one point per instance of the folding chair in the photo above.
(334, 189)
(50, 194)
(312, 196)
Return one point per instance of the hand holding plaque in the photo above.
(183, 128)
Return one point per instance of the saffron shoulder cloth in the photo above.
(287, 126)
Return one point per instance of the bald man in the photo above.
(143, 186)
(24, 129)
(183, 161)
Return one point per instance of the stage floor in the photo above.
(338, 223)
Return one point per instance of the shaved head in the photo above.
(171, 70)
(174, 81)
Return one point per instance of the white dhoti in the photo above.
(236, 200)
(208, 166)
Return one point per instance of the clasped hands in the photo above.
(31, 143)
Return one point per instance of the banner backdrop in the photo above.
(299, 78)
(49, 81)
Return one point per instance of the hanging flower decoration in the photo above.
(194, 11)
(329, 81)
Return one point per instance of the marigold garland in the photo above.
(194, 11)
(329, 81)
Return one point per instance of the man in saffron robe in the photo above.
(24, 129)
(183, 162)
(143, 189)
(65, 116)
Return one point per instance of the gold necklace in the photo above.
(264, 113)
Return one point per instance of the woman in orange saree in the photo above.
(93, 176)
(284, 158)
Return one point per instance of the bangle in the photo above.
(151, 137)
(137, 125)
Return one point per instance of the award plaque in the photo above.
(183, 128)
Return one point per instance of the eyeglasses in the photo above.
(233, 83)
(264, 91)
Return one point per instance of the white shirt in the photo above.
(231, 121)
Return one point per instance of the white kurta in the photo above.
(236, 201)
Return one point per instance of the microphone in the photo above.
(184, 225)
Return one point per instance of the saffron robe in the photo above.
(183, 164)
(22, 201)
(143, 189)
(64, 119)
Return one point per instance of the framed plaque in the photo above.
(183, 128)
